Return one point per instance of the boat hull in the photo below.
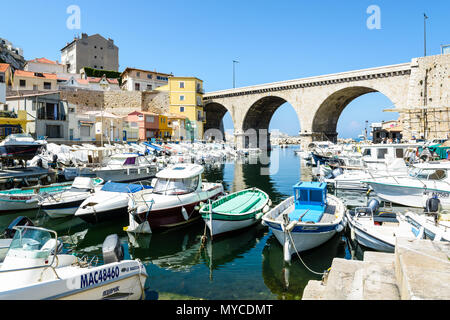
(221, 227)
(126, 175)
(61, 210)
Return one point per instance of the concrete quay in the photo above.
(417, 270)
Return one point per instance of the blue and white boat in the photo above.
(306, 220)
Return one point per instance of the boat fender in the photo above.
(291, 226)
(269, 203)
(339, 228)
(352, 234)
(112, 249)
(33, 200)
(184, 212)
(265, 209)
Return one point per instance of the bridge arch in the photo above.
(325, 120)
(258, 117)
(214, 113)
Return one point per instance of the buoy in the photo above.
(184, 212)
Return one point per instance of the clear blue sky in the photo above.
(273, 40)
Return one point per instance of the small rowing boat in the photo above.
(235, 211)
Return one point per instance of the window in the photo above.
(399, 153)
(181, 109)
(149, 119)
(35, 87)
(85, 131)
(2, 79)
(149, 87)
(181, 98)
(138, 74)
(47, 85)
(95, 67)
(137, 87)
(381, 153)
(366, 152)
(22, 83)
(162, 78)
(53, 131)
(149, 76)
(176, 186)
(199, 115)
(71, 110)
(181, 84)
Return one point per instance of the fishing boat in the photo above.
(307, 219)
(20, 146)
(125, 167)
(424, 180)
(377, 229)
(28, 198)
(175, 199)
(110, 202)
(65, 203)
(235, 211)
(36, 268)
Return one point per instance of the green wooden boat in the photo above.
(235, 211)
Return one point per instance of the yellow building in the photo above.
(186, 98)
(164, 131)
(34, 81)
(11, 122)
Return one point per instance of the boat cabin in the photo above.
(380, 152)
(126, 159)
(431, 171)
(178, 179)
(310, 201)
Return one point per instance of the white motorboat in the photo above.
(175, 199)
(35, 268)
(424, 180)
(66, 203)
(126, 167)
(110, 202)
(306, 220)
(376, 229)
(20, 146)
(352, 179)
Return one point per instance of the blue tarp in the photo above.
(123, 187)
(152, 146)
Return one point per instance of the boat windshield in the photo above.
(175, 186)
(428, 174)
(30, 239)
(76, 189)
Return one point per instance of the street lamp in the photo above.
(234, 62)
(425, 35)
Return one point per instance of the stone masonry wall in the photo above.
(118, 102)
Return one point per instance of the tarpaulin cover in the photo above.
(152, 146)
(123, 187)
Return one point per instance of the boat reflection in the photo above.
(288, 281)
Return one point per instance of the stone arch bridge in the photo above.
(319, 101)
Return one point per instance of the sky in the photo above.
(272, 40)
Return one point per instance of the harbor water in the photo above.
(247, 264)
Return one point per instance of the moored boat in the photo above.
(306, 220)
(28, 197)
(175, 199)
(20, 146)
(66, 203)
(235, 211)
(36, 268)
(108, 203)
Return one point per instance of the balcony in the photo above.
(200, 90)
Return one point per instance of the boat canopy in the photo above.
(83, 183)
(123, 187)
(180, 171)
(310, 201)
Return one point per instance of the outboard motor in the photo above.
(112, 249)
(373, 204)
(55, 160)
(432, 205)
(19, 221)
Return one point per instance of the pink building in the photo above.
(148, 123)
